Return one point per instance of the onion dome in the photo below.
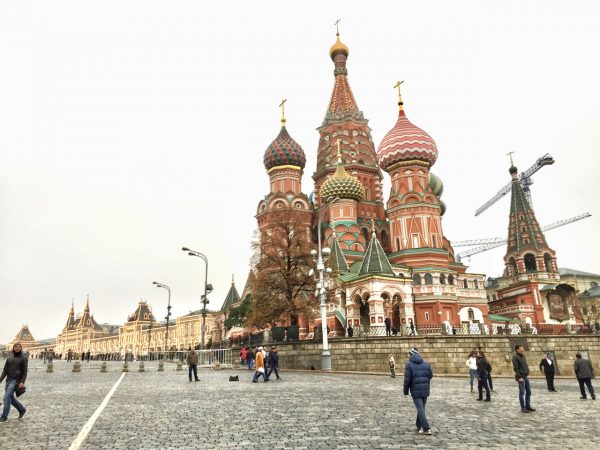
(284, 151)
(435, 184)
(338, 48)
(406, 142)
(341, 184)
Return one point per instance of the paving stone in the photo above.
(305, 410)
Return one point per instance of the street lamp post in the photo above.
(168, 317)
(207, 289)
(320, 256)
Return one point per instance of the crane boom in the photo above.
(524, 179)
(490, 243)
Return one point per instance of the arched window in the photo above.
(426, 316)
(465, 284)
(428, 278)
(417, 279)
(476, 283)
(442, 278)
(593, 285)
(530, 265)
(451, 280)
(471, 314)
(548, 262)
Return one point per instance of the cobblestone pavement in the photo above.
(162, 410)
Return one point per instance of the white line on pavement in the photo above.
(90, 423)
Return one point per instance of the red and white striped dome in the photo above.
(406, 142)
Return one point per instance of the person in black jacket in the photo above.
(584, 371)
(483, 369)
(549, 368)
(273, 363)
(521, 369)
(15, 372)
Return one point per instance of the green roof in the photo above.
(337, 262)
(232, 298)
(376, 261)
(498, 318)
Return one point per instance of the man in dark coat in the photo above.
(482, 376)
(388, 326)
(350, 331)
(521, 369)
(273, 363)
(417, 379)
(584, 373)
(15, 372)
(549, 368)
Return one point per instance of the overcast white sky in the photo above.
(131, 128)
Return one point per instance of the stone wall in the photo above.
(446, 354)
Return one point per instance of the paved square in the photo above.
(162, 410)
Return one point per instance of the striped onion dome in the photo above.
(284, 151)
(343, 185)
(406, 142)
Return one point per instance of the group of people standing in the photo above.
(480, 368)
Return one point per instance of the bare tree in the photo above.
(282, 287)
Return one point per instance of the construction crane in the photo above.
(524, 179)
(484, 245)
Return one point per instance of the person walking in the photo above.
(243, 355)
(417, 380)
(69, 356)
(549, 368)
(472, 365)
(350, 331)
(273, 363)
(250, 359)
(388, 326)
(521, 369)
(87, 356)
(260, 367)
(192, 362)
(482, 377)
(392, 363)
(584, 371)
(15, 372)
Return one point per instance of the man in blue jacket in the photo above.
(417, 378)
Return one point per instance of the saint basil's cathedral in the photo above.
(389, 259)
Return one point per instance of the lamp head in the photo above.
(209, 287)
(191, 254)
(326, 252)
(329, 270)
(154, 282)
(185, 249)
(311, 272)
(313, 253)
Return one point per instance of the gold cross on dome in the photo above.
(509, 154)
(282, 106)
(400, 103)
(337, 27)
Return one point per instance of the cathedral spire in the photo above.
(527, 249)
(282, 106)
(400, 102)
(342, 101)
(376, 261)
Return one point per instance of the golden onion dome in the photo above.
(338, 48)
(341, 184)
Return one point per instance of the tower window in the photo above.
(451, 280)
(530, 265)
(428, 278)
(426, 316)
(442, 278)
(433, 240)
(465, 284)
(416, 279)
(397, 244)
(415, 240)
